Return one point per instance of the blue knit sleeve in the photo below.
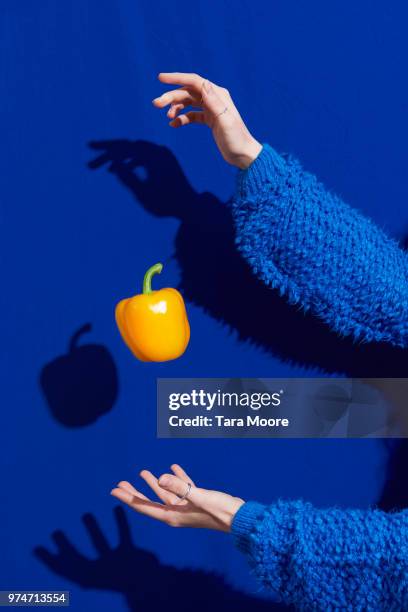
(327, 559)
(319, 252)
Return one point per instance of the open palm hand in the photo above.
(201, 508)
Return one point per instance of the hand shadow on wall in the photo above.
(140, 577)
(216, 278)
(81, 385)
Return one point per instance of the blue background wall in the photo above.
(326, 81)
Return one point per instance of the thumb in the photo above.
(174, 484)
(212, 101)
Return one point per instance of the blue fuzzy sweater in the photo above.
(327, 559)
(320, 253)
(328, 258)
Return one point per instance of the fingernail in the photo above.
(163, 481)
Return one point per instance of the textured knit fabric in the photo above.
(326, 257)
(318, 252)
(327, 559)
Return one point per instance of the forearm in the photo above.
(319, 252)
(326, 559)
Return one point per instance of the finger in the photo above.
(153, 483)
(126, 486)
(63, 544)
(95, 533)
(174, 110)
(45, 555)
(187, 118)
(148, 508)
(212, 100)
(177, 486)
(99, 161)
(125, 537)
(178, 471)
(99, 145)
(176, 96)
(188, 79)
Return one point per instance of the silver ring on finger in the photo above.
(186, 494)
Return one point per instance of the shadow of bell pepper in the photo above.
(81, 385)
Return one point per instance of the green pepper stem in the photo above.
(147, 281)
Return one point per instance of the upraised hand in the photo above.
(199, 508)
(217, 110)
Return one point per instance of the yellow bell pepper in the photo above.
(154, 324)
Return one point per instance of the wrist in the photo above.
(235, 505)
(249, 154)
